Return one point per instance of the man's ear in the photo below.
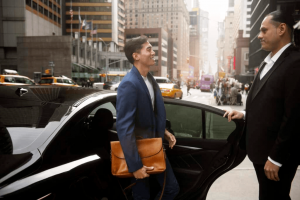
(136, 56)
(282, 29)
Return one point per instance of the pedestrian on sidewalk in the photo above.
(271, 136)
(188, 87)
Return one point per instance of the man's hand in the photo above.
(233, 114)
(142, 173)
(171, 139)
(271, 171)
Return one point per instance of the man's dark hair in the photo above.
(279, 16)
(134, 46)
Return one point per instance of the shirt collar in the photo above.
(268, 59)
(144, 77)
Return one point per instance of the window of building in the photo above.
(248, 25)
(249, 13)
(50, 15)
(248, 19)
(34, 5)
(246, 56)
(50, 4)
(58, 20)
(247, 32)
(41, 9)
(45, 2)
(54, 17)
(54, 7)
(45, 12)
(28, 3)
(58, 10)
(248, 6)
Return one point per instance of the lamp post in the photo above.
(106, 66)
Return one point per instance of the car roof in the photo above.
(41, 95)
(13, 75)
(166, 85)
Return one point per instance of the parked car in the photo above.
(50, 148)
(58, 81)
(171, 91)
(98, 85)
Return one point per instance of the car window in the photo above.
(9, 79)
(218, 127)
(175, 86)
(185, 121)
(161, 80)
(59, 80)
(46, 81)
(20, 80)
(28, 81)
(108, 106)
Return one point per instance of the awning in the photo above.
(84, 66)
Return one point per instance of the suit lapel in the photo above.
(254, 82)
(268, 74)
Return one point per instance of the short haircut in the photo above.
(134, 46)
(279, 16)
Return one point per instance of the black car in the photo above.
(50, 147)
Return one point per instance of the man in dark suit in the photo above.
(141, 113)
(272, 110)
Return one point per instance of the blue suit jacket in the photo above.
(136, 117)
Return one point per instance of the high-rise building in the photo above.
(26, 18)
(241, 33)
(228, 43)
(107, 17)
(204, 27)
(195, 38)
(171, 15)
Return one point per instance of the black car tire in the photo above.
(181, 96)
(6, 145)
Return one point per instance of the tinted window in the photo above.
(68, 81)
(108, 106)
(9, 79)
(207, 79)
(218, 127)
(185, 121)
(59, 80)
(46, 81)
(175, 86)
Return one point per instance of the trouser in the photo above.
(141, 191)
(276, 190)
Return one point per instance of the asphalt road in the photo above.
(241, 182)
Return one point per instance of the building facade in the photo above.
(25, 18)
(195, 37)
(228, 53)
(164, 47)
(107, 17)
(171, 15)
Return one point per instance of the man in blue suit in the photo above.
(141, 113)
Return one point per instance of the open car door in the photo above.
(207, 146)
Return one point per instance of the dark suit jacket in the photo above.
(135, 115)
(272, 112)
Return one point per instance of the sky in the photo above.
(217, 11)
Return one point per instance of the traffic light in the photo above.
(187, 60)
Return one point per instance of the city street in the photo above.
(239, 183)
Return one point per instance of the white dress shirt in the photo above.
(150, 89)
(269, 64)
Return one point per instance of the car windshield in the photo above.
(46, 81)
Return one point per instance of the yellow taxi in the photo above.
(58, 81)
(171, 90)
(11, 77)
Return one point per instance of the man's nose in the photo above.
(259, 36)
(153, 52)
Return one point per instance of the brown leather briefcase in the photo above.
(150, 150)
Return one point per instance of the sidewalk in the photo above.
(241, 184)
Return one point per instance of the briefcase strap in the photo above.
(131, 185)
